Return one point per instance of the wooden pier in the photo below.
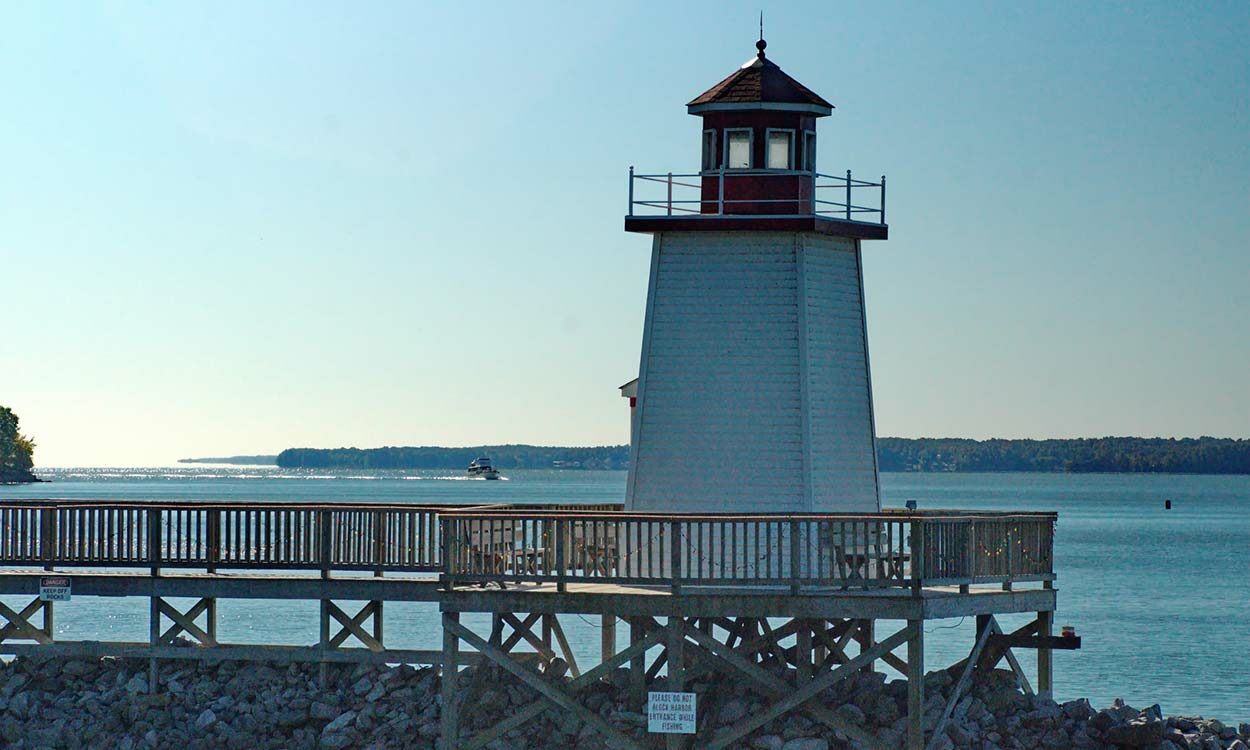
(699, 594)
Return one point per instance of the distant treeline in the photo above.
(1204, 455)
(502, 456)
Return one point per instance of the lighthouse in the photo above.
(754, 392)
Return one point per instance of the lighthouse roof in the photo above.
(759, 84)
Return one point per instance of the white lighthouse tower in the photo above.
(754, 392)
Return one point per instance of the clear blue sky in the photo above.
(237, 227)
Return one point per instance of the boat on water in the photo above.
(481, 469)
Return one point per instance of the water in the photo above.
(1160, 598)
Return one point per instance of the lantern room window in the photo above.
(809, 151)
(780, 152)
(709, 149)
(738, 149)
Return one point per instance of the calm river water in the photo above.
(1161, 598)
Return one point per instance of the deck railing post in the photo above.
(154, 540)
(445, 534)
(561, 555)
(323, 541)
(848, 195)
(379, 542)
(670, 193)
(674, 555)
(917, 555)
(720, 195)
(882, 199)
(1011, 556)
(213, 519)
(794, 556)
(629, 210)
(47, 536)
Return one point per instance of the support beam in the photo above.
(449, 729)
(864, 632)
(1045, 687)
(915, 685)
(970, 665)
(676, 672)
(607, 637)
(638, 664)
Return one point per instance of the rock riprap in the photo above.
(105, 703)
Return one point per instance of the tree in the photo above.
(17, 451)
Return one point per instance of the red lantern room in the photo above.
(758, 166)
(759, 125)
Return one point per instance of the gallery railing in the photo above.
(799, 551)
(756, 192)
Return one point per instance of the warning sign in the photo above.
(54, 589)
(670, 713)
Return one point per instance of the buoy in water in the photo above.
(1167, 504)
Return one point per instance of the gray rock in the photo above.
(806, 743)
(1136, 733)
(336, 742)
(206, 719)
(322, 711)
(768, 742)
(343, 721)
(850, 712)
(137, 684)
(732, 712)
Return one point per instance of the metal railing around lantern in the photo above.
(789, 193)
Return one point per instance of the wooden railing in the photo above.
(839, 551)
(538, 543)
(289, 536)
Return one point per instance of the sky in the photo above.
(234, 227)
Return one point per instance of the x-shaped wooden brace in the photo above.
(19, 626)
(185, 623)
(551, 694)
(786, 696)
(354, 626)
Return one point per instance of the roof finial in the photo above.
(761, 44)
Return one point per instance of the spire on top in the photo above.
(761, 44)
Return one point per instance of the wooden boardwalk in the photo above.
(698, 593)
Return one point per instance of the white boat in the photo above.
(482, 469)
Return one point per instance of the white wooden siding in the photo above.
(719, 410)
(730, 416)
(844, 475)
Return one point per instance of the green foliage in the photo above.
(16, 450)
(431, 457)
(1204, 455)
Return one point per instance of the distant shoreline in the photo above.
(1110, 455)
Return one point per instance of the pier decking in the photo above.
(699, 592)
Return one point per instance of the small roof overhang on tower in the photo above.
(759, 84)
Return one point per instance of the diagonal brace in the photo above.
(555, 695)
(795, 698)
(19, 625)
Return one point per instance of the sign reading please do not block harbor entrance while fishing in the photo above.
(670, 713)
